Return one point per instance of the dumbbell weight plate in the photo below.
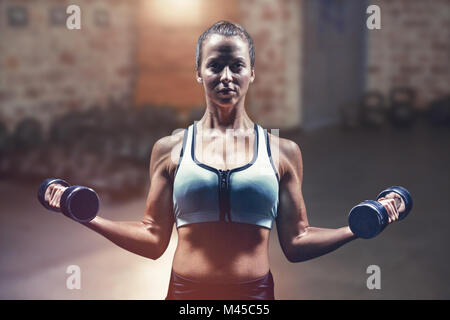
(80, 203)
(368, 219)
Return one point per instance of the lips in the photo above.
(226, 91)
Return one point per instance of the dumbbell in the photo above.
(77, 202)
(369, 218)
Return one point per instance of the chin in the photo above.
(225, 105)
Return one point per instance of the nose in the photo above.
(226, 75)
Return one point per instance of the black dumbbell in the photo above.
(369, 218)
(77, 202)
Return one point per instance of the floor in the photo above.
(341, 168)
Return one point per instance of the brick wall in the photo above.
(167, 55)
(275, 26)
(144, 55)
(411, 49)
(168, 33)
(46, 69)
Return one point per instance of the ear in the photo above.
(252, 77)
(199, 78)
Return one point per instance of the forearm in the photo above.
(315, 242)
(133, 236)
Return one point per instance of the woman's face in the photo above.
(225, 69)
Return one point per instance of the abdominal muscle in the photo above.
(220, 252)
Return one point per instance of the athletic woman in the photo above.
(224, 197)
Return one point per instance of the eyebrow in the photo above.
(240, 59)
(214, 58)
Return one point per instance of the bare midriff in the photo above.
(220, 252)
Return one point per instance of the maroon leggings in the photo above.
(181, 288)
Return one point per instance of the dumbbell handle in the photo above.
(398, 203)
(402, 199)
(43, 190)
(63, 188)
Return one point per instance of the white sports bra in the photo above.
(247, 194)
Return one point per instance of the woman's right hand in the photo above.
(394, 205)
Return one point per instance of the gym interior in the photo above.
(367, 101)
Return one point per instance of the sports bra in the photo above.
(246, 194)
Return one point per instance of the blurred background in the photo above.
(368, 108)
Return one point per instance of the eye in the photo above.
(214, 66)
(238, 66)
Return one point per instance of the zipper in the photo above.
(224, 198)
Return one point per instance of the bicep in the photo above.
(291, 220)
(158, 216)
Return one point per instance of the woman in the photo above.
(224, 202)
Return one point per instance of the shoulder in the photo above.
(289, 155)
(166, 144)
(166, 151)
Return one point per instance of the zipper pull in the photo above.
(223, 179)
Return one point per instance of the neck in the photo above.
(222, 118)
